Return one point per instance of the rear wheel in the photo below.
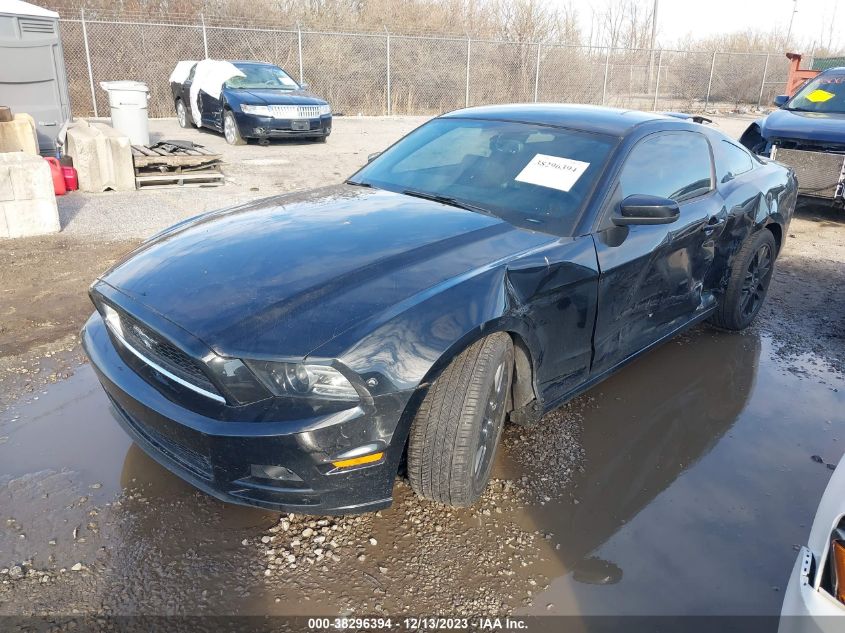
(230, 129)
(456, 431)
(749, 281)
(182, 114)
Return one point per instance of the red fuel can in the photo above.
(58, 178)
(70, 177)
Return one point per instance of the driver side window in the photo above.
(675, 165)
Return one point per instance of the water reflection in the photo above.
(651, 422)
(697, 482)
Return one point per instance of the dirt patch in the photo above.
(43, 304)
(44, 281)
(806, 301)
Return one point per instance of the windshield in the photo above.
(262, 76)
(825, 93)
(530, 175)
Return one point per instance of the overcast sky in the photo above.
(676, 18)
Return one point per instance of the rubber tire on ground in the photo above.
(186, 123)
(445, 433)
(728, 314)
(229, 119)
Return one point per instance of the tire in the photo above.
(455, 433)
(748, 283)
(230, 129)
(182, 114)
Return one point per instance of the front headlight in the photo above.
(112, 319)
(325, 109)
(260, 110)
(304, 380)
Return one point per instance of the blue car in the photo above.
(807, 133)
(247, 100)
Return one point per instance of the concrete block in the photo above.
(27, 202)
(18, 135)
(101, 155)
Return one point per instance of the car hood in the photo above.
(809, 126)
(280, 277)
(280, 97)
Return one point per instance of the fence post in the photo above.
(537, 72)
(469, 56)
(88, 61)
(299, 46)
(388, 71)
(204, 36)
(657, 81)
(763, 82)
(710, 81)
(606, 73)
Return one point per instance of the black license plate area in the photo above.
(300, 125)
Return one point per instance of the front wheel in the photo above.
(455, 433)
(231, 131)
(748, 284)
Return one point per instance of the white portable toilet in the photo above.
(128, 104)
(32, 73)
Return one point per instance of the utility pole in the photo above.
(653, 41)
(654, 24)
(791, 20)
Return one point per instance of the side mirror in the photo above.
(304, 86)
(727, 177)
(643, 209)
(780, 100)
(373, 156)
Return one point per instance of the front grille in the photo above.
(163, 353)
(188, 458)
(819, 174)
(295, 112)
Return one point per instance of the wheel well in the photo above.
(777, 233)
(522, 389)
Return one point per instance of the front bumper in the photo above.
(217, 455)
(252, 126)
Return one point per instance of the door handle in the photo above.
(713, 224)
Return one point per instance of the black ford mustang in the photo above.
(292, 352)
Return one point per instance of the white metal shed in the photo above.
(32, 68)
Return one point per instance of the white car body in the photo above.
(807, 606)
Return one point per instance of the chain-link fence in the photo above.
(384, 73)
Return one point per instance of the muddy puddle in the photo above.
(680, 485)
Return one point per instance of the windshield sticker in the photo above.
(553, 172)
(820, 96)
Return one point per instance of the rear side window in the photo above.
(672, 165)
(731, 161)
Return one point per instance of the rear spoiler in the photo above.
(695, 118)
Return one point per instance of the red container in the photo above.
(71, 179)
(58, 179)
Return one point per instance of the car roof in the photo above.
(838, 70)
(588, 118)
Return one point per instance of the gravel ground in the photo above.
(251, 171)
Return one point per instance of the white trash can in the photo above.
(128, 103)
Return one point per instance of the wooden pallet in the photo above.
(156, 167)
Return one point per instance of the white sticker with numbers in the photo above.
(553, 172)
